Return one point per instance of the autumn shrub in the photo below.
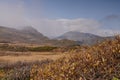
(19, 70)
(98, 62)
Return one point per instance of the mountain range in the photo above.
(84, 38)
(31, 35)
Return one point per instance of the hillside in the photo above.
(31, 36)
(84, 38)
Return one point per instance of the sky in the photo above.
(55, 17)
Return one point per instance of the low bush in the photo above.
(98, 62)
(19, 70)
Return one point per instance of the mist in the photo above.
(16, 15)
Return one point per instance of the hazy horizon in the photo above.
(55, 17)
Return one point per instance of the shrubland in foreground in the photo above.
(98, 62)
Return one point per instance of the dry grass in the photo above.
(17, 65)
(29, 56)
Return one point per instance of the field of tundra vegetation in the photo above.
(97, 62)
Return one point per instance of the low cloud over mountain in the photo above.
(16, 14)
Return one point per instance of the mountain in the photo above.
(33, 35)
(30, 35)
(27, 35)
(84, 38)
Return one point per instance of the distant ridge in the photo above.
(27, 34)
(30, 35)
(85, 38)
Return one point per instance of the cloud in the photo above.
(111, 22)
(14, 15)
(55, 27)
(106, 32)
(112, 17)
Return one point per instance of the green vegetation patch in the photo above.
(42, 49)
(7, 47)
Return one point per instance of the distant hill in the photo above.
(84, 38)
(30, 35)
(27, 34)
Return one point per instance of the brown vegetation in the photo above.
(28, 56)
(98, 62)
